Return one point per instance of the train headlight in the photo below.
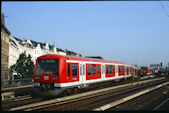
(37, 77)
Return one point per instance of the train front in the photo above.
(47, 75)
(144, 71)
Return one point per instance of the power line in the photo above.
(167, 3)
(164, 9)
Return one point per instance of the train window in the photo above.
(122, 69)
(107, 69)
(83, 69)
(98, 69)
(50, 66)
(129, 69)
(110, 69)
(88, 69)
(80, 69)
(125, 69)
(113, 69)
(74, 69)
(94, 69)
(68, 69)
(144, 69)
(119, 69)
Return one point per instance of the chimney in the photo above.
(2, 19)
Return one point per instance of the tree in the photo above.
(24, 66)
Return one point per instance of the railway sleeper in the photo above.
(7, 95)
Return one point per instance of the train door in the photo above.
(116, 70)
(125, 73)
(82, 75)
(103, 71)
(121, 70)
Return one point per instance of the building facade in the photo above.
(5, 34)
(71, 53)
(13, 51)
(35, 49)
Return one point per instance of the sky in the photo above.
(134, 32)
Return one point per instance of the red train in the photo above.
(145, 70)
(137, 70)
(66, 73)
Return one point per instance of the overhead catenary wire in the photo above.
(167, 3)
(164, 9)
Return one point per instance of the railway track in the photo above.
(91, 87)
(14, 93)
(76, 98)
(162, 105)
(16, 99)
(27, 99)
(131, 95)
(20, 101)
(96, 100)
(16, 87)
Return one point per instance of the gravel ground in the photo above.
(147, 101)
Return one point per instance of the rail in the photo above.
(76, 97)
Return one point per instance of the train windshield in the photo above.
(50, 66)
(144, 69)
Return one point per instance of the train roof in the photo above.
(137, 67)
(144, 67)
(79, 58)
